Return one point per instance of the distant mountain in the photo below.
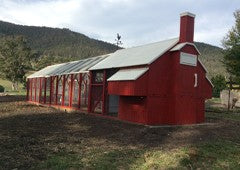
(58, 42)
(61, 45)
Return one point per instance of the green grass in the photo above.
(214, 155)
(8, 88)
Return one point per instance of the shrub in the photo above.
(219, 83)
(1, 89)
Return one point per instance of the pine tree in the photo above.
(231, 45)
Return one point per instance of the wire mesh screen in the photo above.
(42, 90)
(37, 89)
(84, 91)
(33, 89)
(53, 96)
(67, 90)
(97, 102)
(60, 89)
(75, 91)
(48, 90)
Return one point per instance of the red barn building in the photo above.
(162, 83)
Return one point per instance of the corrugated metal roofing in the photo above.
(128, 74)
(140, 55)
(68, 68)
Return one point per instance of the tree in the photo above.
(231, 44)
(118, 40)
(15, 59)
(219, 83)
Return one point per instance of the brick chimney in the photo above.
(186, 27)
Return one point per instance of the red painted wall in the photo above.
(133, 109)
(172, 97)
(129, 88)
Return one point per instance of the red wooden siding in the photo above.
(133, 109)
(129, 88)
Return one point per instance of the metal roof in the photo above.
(141, 55)
(68, 68)
(128, 74)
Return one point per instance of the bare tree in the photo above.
(118, 40)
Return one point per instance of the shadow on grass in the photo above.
(12, 98)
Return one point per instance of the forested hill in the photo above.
(212, 58)
(58, 42)
(61, 45)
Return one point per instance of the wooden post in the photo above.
(90, 93)
(35, 89)
(229, 92)
(50, 98)
(71, 91)
(27, 96)
(104, 93)
(57, 79)
(30, 86)
(79, 90)
(63, 89)
(45, 90)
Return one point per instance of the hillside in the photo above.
(58, 42)
(61, 45)
(212, 58)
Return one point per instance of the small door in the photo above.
(113, 105)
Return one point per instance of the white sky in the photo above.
(138, 21)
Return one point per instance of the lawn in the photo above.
(34, 137)
(8, 86)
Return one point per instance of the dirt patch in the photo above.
(29, 133)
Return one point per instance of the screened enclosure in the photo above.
(65, 85)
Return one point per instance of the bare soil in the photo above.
(29, 133)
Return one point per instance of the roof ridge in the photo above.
(147, 44)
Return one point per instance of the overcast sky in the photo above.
(138, 21)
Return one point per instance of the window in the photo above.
(98, 77)
(188, 59)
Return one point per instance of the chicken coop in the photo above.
(162, 83)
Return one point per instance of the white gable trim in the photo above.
(181, 45)
(209, 81)
(202, 65)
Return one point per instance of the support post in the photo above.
(63, 89)
(104, 93)
(71, 91)
(50, 98)
(27, 96)
(35, 89)
(79, 90)
(30, 90)
(90, 93)
(57, 79)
